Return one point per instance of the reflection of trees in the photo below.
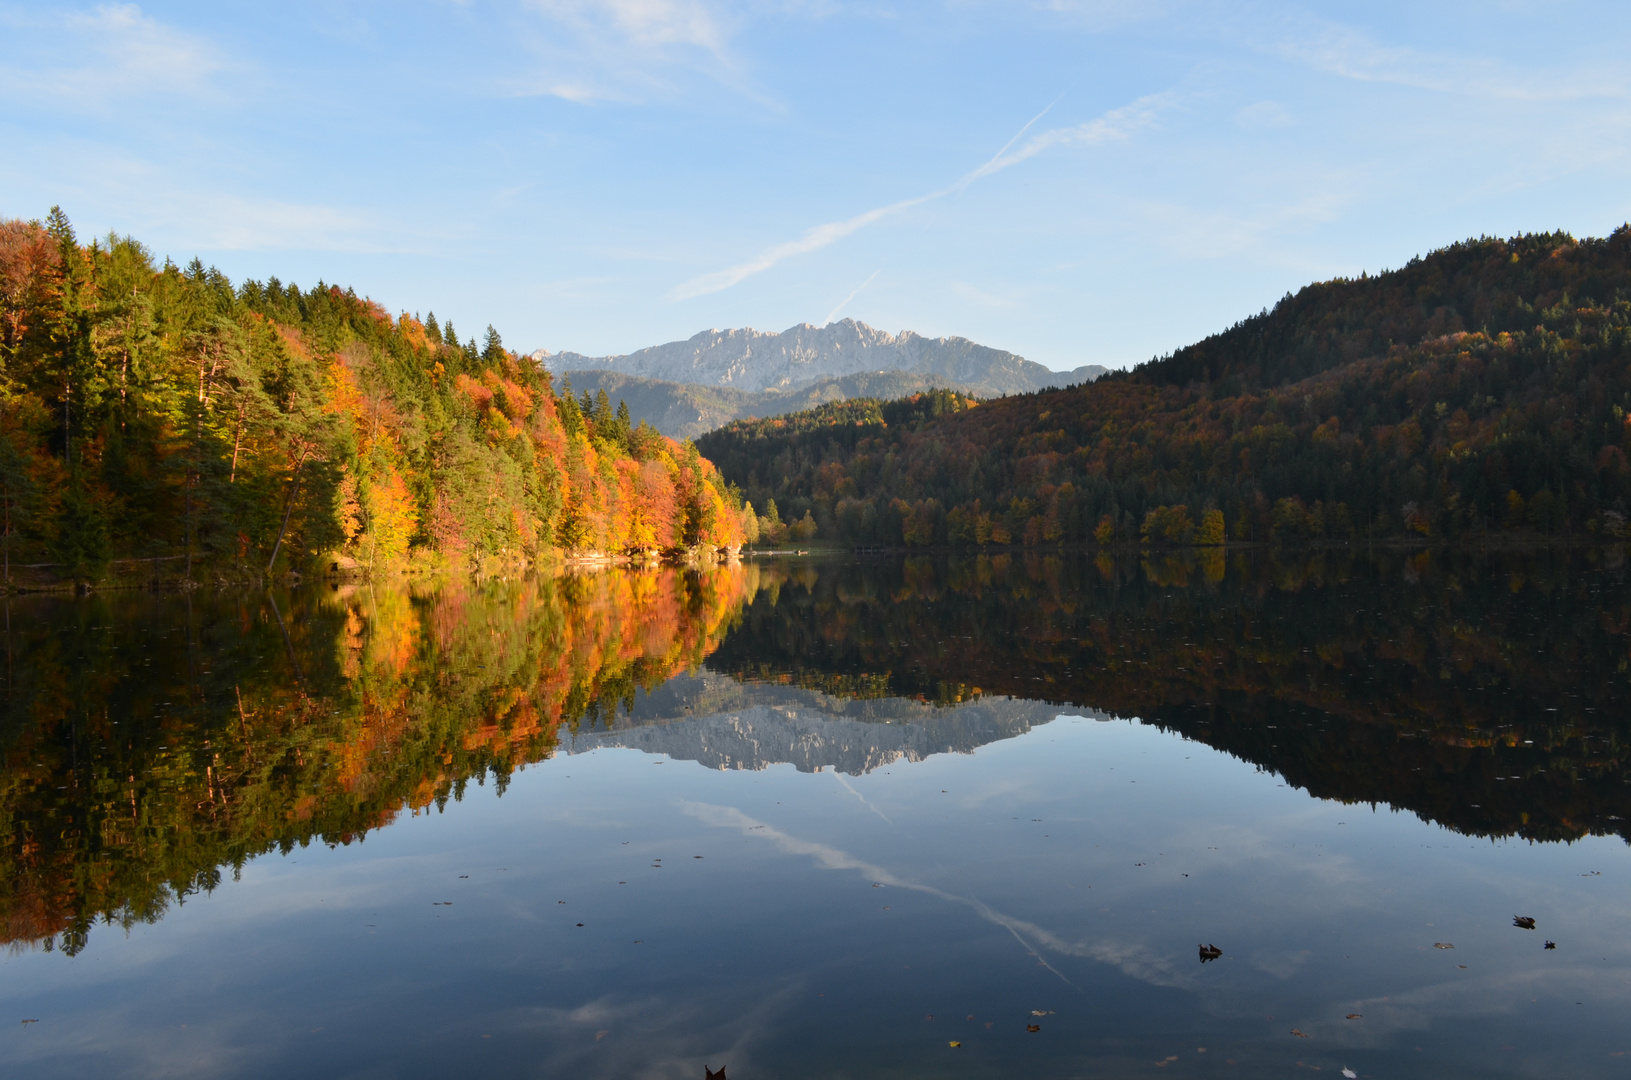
(146, 745)
(1483, 692)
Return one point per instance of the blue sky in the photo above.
(1079, 182)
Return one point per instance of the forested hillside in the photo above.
(161, 414)
(1480, 389)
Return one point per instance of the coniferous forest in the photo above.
(158, 421)
(1481, 390)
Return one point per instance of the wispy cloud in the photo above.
(628, 50)
(1264, 114)
(1114, 125)
(99, 57)
(1215, 233)
(980, 296)
(1352, 54)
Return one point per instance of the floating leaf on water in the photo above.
(27, 1022)
(711, 1075)
(1523, 922)
(1041, 1012)
(954, 1043)
(599, 1035)
(1356, 1016)
(1210, 952)
(1299, 1034)
(1442, 945)
(1033, 1027)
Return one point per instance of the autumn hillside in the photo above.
(158, 420)
(1481, 389)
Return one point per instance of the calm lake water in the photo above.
(891, 818)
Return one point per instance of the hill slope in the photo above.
(751, 360)
(1483, 387)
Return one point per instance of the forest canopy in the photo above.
(157, 413)
(1480, 389)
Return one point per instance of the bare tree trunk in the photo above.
(237, 442)
(205, 373)
(288, 508)
(124, 362)
(187, 497)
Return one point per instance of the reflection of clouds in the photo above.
(211, 1046)
(1471, 998)
(1132, 959)
(1280, 963)
(650, 1038)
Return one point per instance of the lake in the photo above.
(1041, 815)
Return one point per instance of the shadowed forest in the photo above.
(1481, 390)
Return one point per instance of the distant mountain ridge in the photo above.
(689, 410)
(752, 360)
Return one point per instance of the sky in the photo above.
(1077, 181)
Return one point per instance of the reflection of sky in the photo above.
(1072, 870)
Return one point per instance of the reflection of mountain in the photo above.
(1483, 692)
(725, 724)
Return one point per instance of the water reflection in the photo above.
(1484, 692)
(151, 745)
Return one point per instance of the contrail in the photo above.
(842, 304)
(1115, 124)
(1017, 135)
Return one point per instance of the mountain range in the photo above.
(684, 388)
